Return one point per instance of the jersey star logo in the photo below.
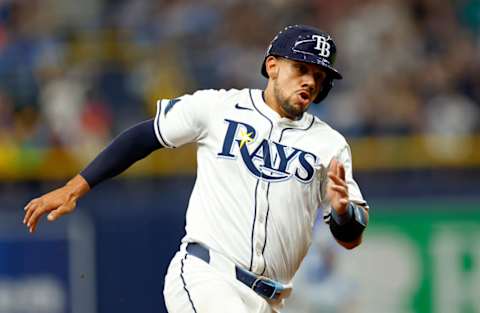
(246, 138)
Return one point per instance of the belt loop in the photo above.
(259, 278)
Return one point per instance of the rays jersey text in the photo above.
(269, 160)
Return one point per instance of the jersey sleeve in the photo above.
(185, 119)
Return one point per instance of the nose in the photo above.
(308, 82)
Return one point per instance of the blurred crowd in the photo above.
(74, 74)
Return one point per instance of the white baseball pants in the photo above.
(194, 286)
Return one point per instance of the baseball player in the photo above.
(265, 166)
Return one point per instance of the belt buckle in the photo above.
(277, 288)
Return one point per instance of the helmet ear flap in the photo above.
(327, 86)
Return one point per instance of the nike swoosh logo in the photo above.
(237, 106)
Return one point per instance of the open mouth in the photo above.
(305, 95)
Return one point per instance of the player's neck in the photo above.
(270, 99)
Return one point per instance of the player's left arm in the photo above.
(348, 217)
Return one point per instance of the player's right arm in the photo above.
(130, 146)
(178, 121)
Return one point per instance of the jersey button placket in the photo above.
(259, 238)
(259, 249)
(261, 219)
(263, 185)
(260, 229)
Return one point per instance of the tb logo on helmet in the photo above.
(322, 45)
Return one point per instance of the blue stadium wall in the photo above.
(138, 224)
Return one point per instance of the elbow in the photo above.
(350, 245)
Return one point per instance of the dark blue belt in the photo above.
(267, 288)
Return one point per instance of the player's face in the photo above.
(295, 86)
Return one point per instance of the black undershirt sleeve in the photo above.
(127, 148)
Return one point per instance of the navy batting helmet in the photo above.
(306, 44)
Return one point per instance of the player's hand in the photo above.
(337, 188)
(56, 203)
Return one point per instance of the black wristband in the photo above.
(349, 226)
(342, 219)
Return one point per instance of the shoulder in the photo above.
(325, 133)
(322, 127)
(203, 102)
(221, 100)
(216, 95)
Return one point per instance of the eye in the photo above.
(319, 76)
(301, 68)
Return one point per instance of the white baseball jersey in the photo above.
(260, 177)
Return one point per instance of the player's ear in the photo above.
(271, 65)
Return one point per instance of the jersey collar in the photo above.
(263, 108)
